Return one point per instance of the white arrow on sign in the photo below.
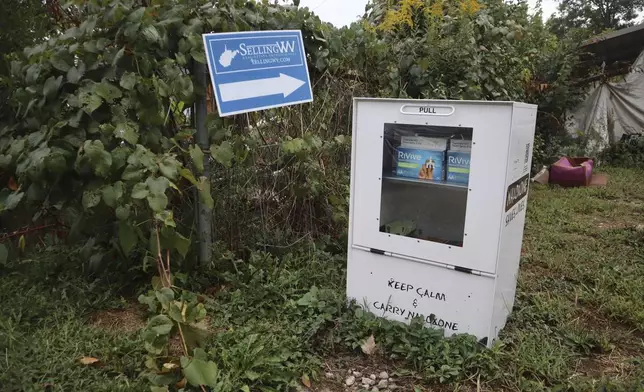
(282, 84)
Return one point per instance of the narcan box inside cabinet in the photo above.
(438, 205)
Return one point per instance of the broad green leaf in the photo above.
(151, 34)
(140, 191)
(195, 313)
(223, 153)
(5, 161)
(123, 212)
(127, 131)
(59, 64)
(136, 15)
(56, 163)
(169, 167)
(107, 91)
(89, 101)
(151, 363)
(200, 372)
(174, 312)
(157, 202)
(157, 185)
(11, 201)
(127, 237)
(294, 146)
(200, 353)
(51, 86)
(132, 173)
(182, 244)
(36, 192)
(199, 56)
(184, 134)
(160, 324)
(162, 87)
(204, 192)
(74, 121)
(33, 72)
(195, 336)
(158, 389)
(166, 217)
(154, 343)
(165, 295)
(90, 199)
(35, 138)
(184, 88)
(181, 59)
(17, 147)
(118, 56)
(119, 157)
(88, 25)
(197, 157)
(109, 197)
(128, 80)
(113, 193)
(187, 174)
(149, 300)
(90, 46)
(99, 159)
(143, 157)
(4, 254)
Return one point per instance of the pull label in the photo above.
(427, 110)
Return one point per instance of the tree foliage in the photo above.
(595, 16)
(23, 23)
(94, 131)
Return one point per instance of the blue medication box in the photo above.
(420, 164)
(458, 167)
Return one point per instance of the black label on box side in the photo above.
(517, 191)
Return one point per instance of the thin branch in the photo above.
(183, 340)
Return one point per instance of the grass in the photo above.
(578, 324)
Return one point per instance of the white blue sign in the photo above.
(257, 70)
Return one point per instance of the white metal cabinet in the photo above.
(416, 227)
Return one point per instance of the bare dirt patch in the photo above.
(616, 365)
(337, 369)
(127, 320)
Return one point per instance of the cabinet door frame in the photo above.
(491, 124)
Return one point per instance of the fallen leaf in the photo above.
(12, 184)
(369, 345)
(181, 383)
(306, 381)
(89, 360)
(170, 366)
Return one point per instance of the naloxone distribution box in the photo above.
(438, 202)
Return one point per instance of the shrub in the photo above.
(628, 152)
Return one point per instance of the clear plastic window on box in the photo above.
(425, 177)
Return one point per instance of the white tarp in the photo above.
(611, 110)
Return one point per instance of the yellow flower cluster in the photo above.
(401, 12)
(402, 15)
(470, 7)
